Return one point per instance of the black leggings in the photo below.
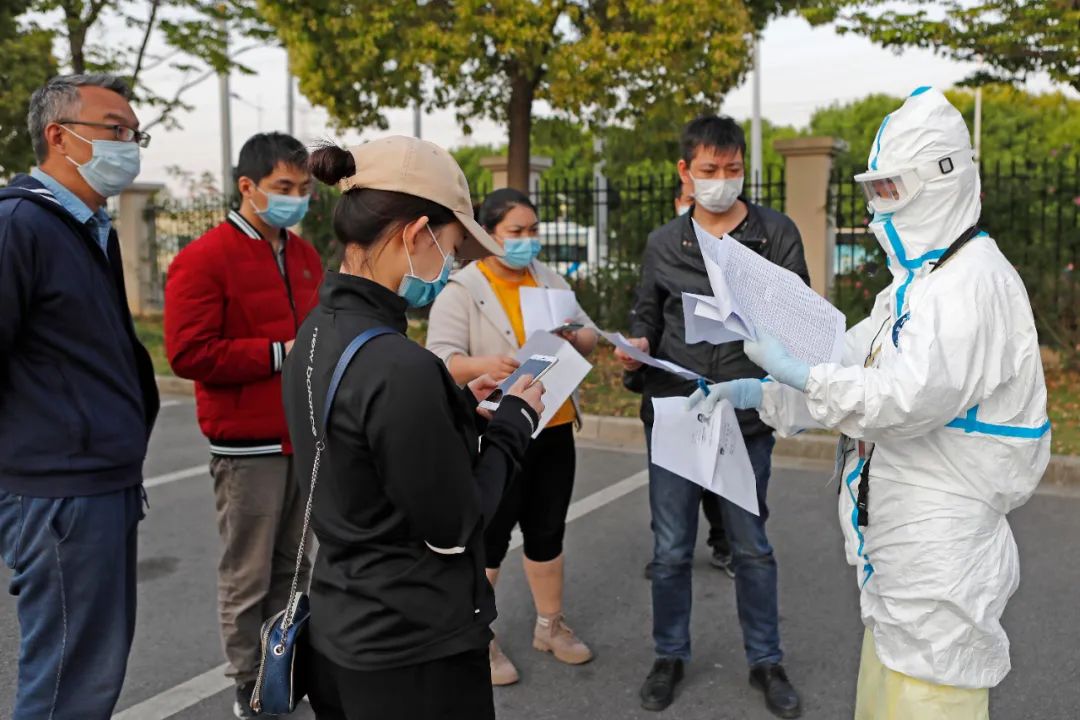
(451, 688)
(537, 499)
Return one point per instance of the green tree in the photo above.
(1013, 37)
(26, 61)
(469, 157)
(184, 35)
(602, 61)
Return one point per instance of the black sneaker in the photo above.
(242, 705)
(722, 561)
(659, 688)
(780, 696)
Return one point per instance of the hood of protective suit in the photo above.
(923, 130)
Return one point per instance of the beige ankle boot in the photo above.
(503, 671)
(552, 635)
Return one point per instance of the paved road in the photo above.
(608, 604)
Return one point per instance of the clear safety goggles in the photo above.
(889, 190)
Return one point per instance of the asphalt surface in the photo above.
(608, 604)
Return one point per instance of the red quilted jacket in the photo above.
(229, 311)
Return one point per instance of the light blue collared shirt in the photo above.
(98, 222)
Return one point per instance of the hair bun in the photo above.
(330, 163)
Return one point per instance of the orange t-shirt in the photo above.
(508, 291)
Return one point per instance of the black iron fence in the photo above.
(175, 223)
(1031, 210)
(593, 231)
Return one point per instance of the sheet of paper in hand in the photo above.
(546, 309)
(623, 344)
(763, 295)
(706, 450)
(563, 378)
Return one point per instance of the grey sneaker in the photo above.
(722, 561)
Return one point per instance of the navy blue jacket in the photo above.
(77, 391)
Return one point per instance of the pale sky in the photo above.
(803, 68)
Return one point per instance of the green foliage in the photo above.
(318, 225)
(597, 62)
(469, 157)
(1013, 37)
(607, 293)
(26, 61)
(183, 35)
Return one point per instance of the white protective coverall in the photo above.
(946, 378)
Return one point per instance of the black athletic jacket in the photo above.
(405, 486)
(673, 265)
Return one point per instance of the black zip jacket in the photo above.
(673, 265)
(404, 490)
(77, 391)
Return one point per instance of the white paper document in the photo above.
(751, 293)
(706, 323)
(619, 341)
(562, 379)
(546, 309)
(706, 450)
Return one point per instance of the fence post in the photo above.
(133, 227)
(808, 167)
(499, 166)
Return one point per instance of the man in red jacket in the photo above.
(234, 299)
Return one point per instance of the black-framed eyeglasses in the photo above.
(122, 132)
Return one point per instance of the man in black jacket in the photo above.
(77, 402)
(712, 164)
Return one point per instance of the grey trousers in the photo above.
(260, 514)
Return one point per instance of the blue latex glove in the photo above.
(770, 355)
(743, 394)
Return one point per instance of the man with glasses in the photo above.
(233, 301)
(77, 402)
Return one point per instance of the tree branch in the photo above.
(145, 41)
(95, 11)
(172, 104)
(158, 62)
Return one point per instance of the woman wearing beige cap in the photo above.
(476, 327)
(403, 487)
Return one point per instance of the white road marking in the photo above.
(178, 475)
(180, 697)
(173, 403)
(211, 682)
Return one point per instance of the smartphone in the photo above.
(568, 327)
(537, 366)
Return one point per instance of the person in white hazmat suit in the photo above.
(941, 400)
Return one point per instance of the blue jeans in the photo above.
(74, 575)
(674, 502)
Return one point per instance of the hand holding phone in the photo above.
(567, 328)
(535, 367)
(531, 391)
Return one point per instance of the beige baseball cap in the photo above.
(417, 167)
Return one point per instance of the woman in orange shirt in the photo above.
(476, 326)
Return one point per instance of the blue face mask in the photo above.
(112, 167)
(519, 252)
(282, 211)
(418, 292)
